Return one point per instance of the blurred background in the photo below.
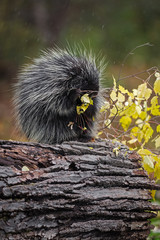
(113, 28)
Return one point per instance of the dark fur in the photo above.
(48, 92)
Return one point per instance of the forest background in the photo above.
(111, 28)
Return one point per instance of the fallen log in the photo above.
(75, 190)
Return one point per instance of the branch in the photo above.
(73, 191)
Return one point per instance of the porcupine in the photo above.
(48, 91)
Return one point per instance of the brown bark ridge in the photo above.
(74, 191)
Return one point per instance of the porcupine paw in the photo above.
(86, 138)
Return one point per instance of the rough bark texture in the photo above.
(73, 191)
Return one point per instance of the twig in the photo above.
(130, 53)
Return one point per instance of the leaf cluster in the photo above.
(133, 118)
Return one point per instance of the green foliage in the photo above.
(155, 235)
(24, 42)
(113, 27)
(19, 39)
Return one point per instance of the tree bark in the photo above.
(73, 191)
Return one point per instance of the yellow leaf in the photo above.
(148, 160)
(143, 115)
(155, 111)
(121, 97)
(113, 111)
(81, 109)
(157, 142)
(143, 91)
(131, 95)
(138, 110)
(145, 126)
(140, 123)
(130, 101)
(135, 92)
(154, 101)
(157, 170)
(137, 133)
(156, 157)
(132, 141)
(107, 123)
(153, 193)
(120, 107)
(140, 135)
(148, 164)
(131, 111)
(113, 95)
(148, 134)
(123, 90)
(157, 75)
(148, 118)
(100, 133)
(144, 152)
(135, 115)
(86, 99)
(132, 149)
(158, 128)
(147, 94)
(134, 131)
(25, 169)
(145, 106)
(116, 151)
(157, 86)
(125, 122)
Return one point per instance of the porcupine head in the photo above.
(50, 97)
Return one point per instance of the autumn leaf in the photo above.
(113, 95)
(157, 142)
(121, 97)
(25, 169)
(125, 122)
(158, 128)
(86, 99)
(86, 102)
(82, 108)
(157, 86)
